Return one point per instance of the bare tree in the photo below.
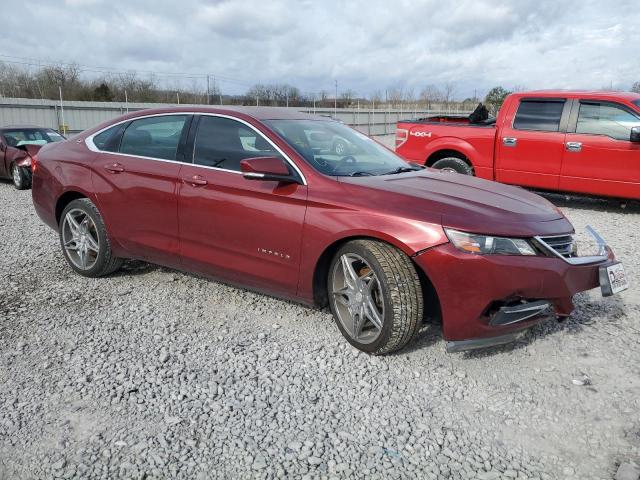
(636, 87)
(430, 94)
(449, 90)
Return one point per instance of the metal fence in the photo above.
(74, 116)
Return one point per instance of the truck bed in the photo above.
(421, 141)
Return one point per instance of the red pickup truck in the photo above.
(584, 142)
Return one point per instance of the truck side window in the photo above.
(539, 115)
(604, 119)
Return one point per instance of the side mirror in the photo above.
(267, 168)
(635, 134)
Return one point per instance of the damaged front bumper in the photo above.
(488, 300)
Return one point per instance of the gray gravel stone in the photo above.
(152, 373)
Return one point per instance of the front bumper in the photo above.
(486, 299)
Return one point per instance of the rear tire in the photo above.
(382, 303)
(20, 177)
(81, 230)
(453, 164)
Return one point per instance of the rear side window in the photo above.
(539, 115)
(222, 143)
(105, 141)
(606, 119)
(155, 137)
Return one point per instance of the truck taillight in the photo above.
(34, 163)
(402, 136)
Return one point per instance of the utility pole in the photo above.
(208, 90)
(335, 102)
(64, 126)
(126, 101)
(314, 103)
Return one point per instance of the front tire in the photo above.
(454, 165)
(21, 179)
(375, 296)
(84, 240)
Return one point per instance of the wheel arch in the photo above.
(447, 153)
(64, 200)
(432, 309)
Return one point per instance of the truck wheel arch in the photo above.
(440, 154)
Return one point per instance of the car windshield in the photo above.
(17, 137)
(335, 149)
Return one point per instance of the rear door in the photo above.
(599, 157)
(135, 177)
(246, 231)
(531, 143)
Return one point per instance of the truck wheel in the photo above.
(453, 164)
(375, 296)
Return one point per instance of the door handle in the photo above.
(573, 146)
(114, 168)
(195, 181)
(510, 141)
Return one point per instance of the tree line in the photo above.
(47, 81)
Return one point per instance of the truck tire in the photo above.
(453, 164)
(375, 296)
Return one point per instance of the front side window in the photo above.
(542, 115)
(605, 119)
(155, 137)
(335, 149)
(222, 143)
(637, 102)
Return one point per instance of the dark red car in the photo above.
(243, 196)
(18, 145)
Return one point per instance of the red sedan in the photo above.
(245, 195)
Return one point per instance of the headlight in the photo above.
(488, 245)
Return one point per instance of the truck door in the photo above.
(599, 157)
(530, 144)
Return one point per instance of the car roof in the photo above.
(23, 127)
(258, 113)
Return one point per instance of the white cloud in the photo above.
(366, 45)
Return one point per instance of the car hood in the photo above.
(467, 203)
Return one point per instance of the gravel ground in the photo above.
(153, 373)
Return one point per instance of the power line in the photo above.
(107, 70)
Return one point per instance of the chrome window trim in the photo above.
(91, 146)
(600, 257)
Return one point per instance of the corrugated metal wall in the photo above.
(79, 116)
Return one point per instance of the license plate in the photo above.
(613, 279)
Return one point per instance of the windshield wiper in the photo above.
(402, 170)
(361, 174)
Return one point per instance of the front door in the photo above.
(136, 186)
(530, 147)
(246, 231)
(599, 157)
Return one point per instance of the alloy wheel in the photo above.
(15, 173)
(358, 298)
(80, 239)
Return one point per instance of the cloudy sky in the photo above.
(366, 45)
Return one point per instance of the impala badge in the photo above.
(273, 253)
